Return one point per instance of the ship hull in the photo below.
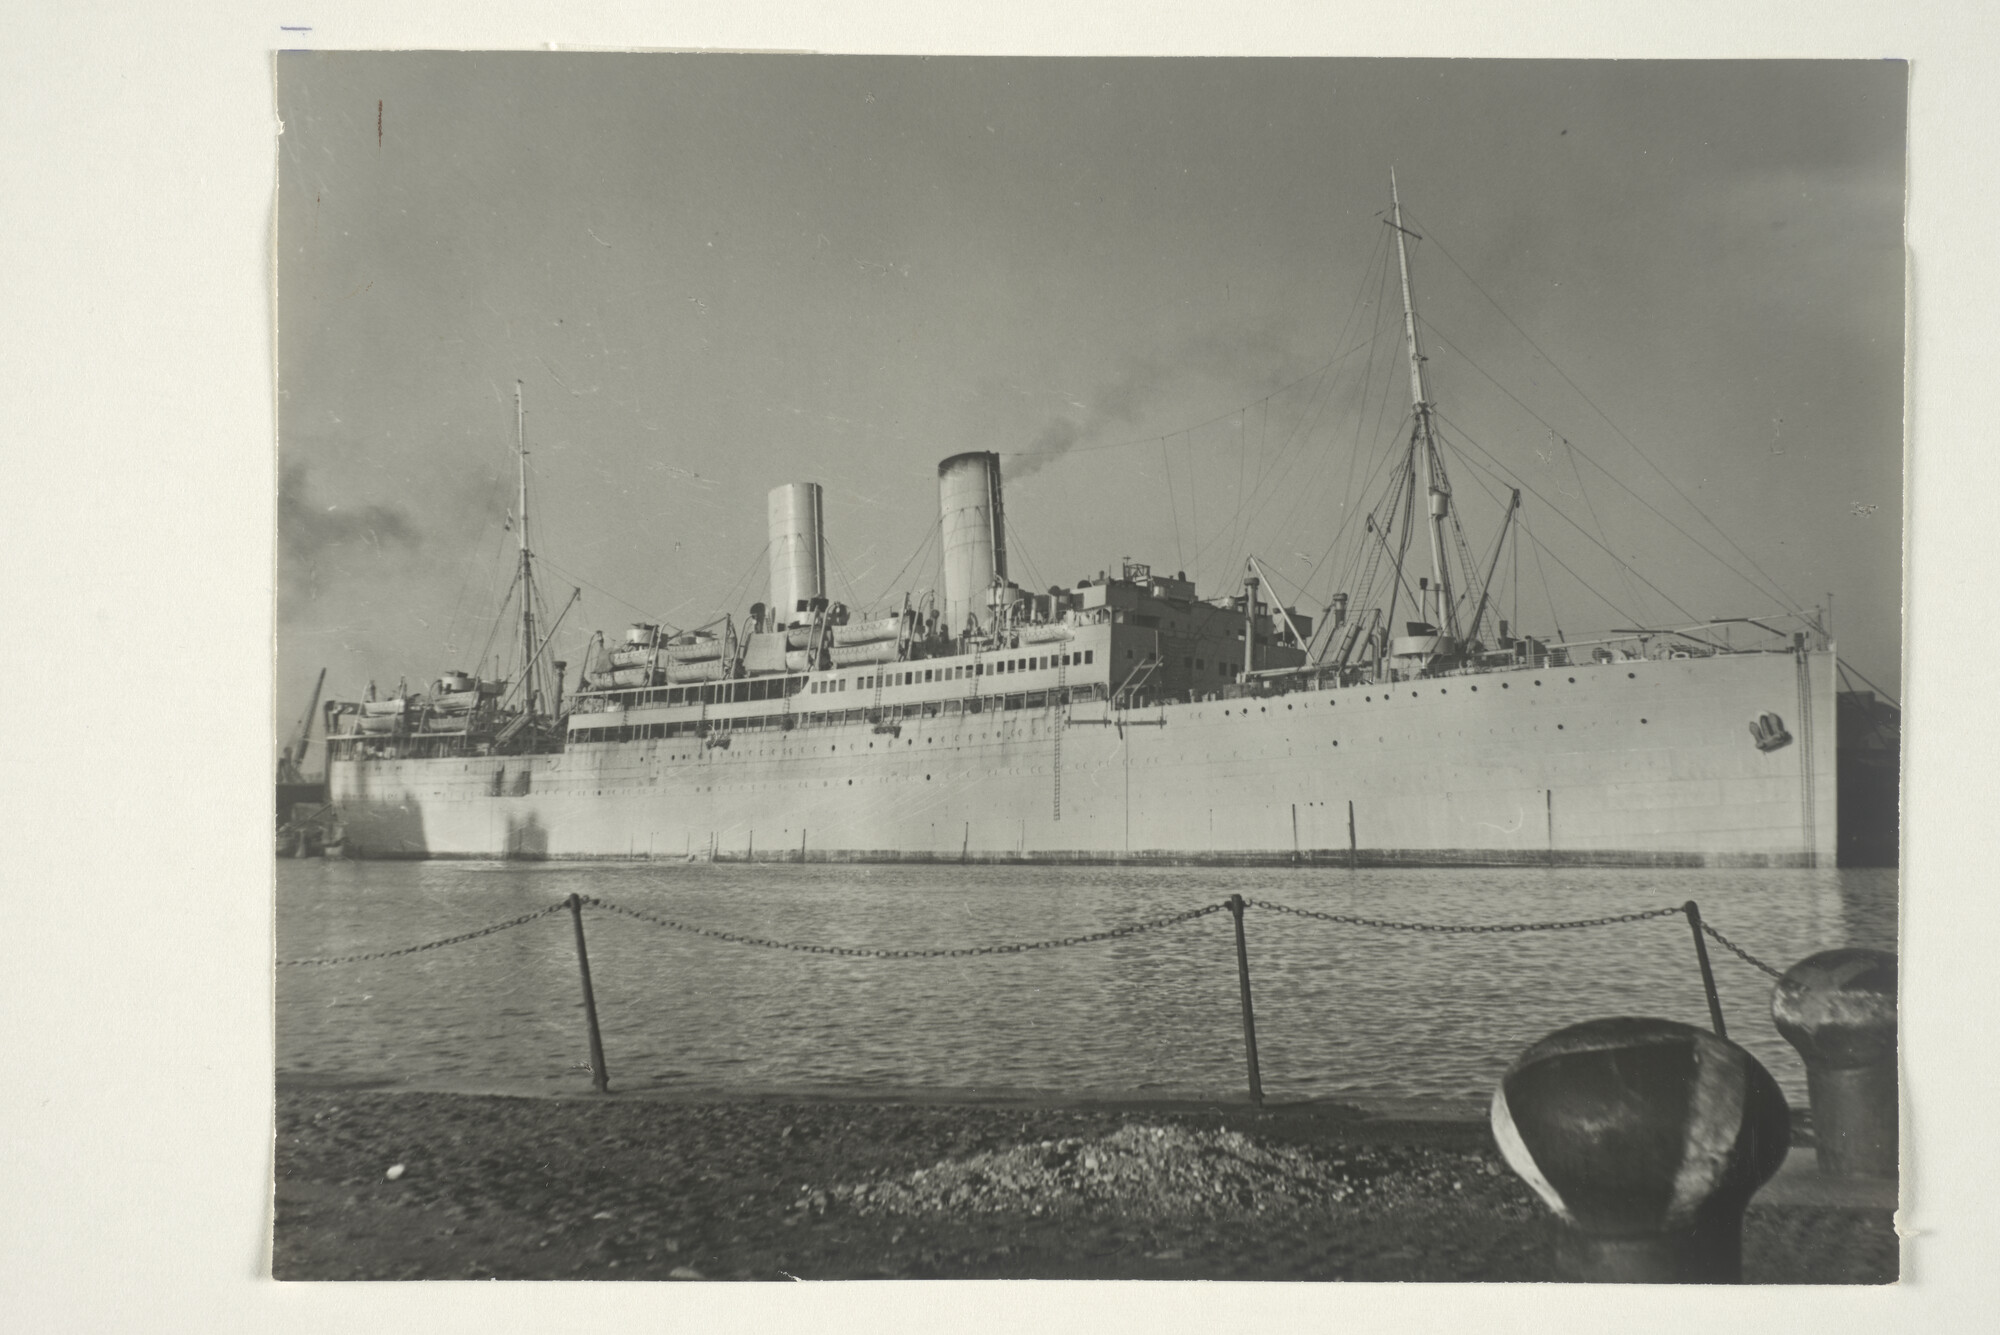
(1629, 763)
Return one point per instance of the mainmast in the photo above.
(1423, 439)
(528, 693)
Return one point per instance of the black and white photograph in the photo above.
(899, 668)
(1017, 668)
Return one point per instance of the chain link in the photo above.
(556, 907)
(1053, 943)
(859, 952)
(1741, 953)
(1465, 928)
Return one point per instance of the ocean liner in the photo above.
(1124, 718)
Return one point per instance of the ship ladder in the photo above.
(1061, 713)
(1808, 793)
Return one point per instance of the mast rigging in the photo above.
(1423, 439)
(530, 697)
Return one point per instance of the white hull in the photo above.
(1624, 763)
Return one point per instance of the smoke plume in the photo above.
(318, 543)
(1223, 366)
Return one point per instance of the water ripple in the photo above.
(1342, 1012)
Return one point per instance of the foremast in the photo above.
(1427, 469)
(530, 696)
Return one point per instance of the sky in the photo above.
(1666, 299)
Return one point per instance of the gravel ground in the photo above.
(394, 1185)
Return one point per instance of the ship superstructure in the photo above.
(1122, 717)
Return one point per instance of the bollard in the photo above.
(1249, 1016)
(1647, 1138)
(598, 1075)
(1838, 1008)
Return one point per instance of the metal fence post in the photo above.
(1693, 912)
(1249, 1016)
(598, 1075)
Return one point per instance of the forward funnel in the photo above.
(798, 551)
(974, 529)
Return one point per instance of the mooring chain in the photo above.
(859, 952)
(1741, 953)
(1465, 928)
(556, 907)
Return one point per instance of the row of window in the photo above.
(637, 732)
(714, 692)
(777, 688)
(958, 672)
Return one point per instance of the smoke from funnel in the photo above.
(1228, 358)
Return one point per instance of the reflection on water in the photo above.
(1382, 1018)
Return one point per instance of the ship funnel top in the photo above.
(798, 551)
(973, 524)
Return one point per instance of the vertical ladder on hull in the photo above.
(1059, 717)
(1808, 785)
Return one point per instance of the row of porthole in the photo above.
(1559, 728)
(1442, 690)
(1335, 742)
(927, 778)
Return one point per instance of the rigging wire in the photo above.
(1869, 684)
(1384, 443)
(741, 586)
(1548, 594)
(853, 594)
(1569, 452)
(1020, 548)
(1557, 511)
(1783, 598)
(1290, 461)
(498, 618)
(475, 562)
(652, 616)
(1366, 555)
(1229, 529)
(1238, 528)
(922, 546)
(1321, 458)
(1769, 587)
(1589, 588)
(1381, 416)
(1194, 501)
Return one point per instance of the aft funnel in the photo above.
(798, 551)
(974, 529)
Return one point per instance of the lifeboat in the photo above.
(869, 632)
(711, 669)
(854, 655)
(694, 651)
(640, 656)
(380, 718)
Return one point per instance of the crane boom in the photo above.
(306, 724)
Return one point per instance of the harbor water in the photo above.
(1389, 1020)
